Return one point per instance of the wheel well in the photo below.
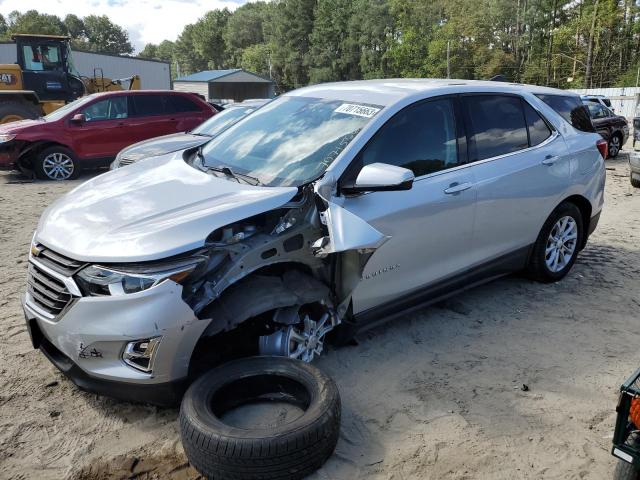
(31, 150)
(585, 209)
(237, 323)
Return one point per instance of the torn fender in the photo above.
(347, 232)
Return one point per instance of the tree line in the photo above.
(561, 43)
(94, 33)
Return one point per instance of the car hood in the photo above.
(162, 145)
(139, 213)
(21, 125)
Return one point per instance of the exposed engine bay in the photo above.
(285, 262)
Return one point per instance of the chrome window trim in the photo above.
(550, 139)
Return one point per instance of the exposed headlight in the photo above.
(96, 280)
(6, 137)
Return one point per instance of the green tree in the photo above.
(106, 37)
(245, 28)
(150, 50)
(34, 22)
(289, 30)
(255, 58)
(208, 38)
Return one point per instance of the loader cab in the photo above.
(47, 67)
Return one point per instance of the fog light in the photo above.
(141, 353)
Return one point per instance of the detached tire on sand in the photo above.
(286, 451)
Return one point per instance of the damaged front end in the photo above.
(283, 276)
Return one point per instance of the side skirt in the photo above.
(512, 262)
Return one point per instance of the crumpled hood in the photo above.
(150, 210)
(162, 145)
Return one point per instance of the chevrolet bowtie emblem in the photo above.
(35, 251)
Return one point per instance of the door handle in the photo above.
(549, 160)
(457, 188)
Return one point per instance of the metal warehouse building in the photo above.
(225, 85)
(153, 74)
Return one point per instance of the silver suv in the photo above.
(331, 208)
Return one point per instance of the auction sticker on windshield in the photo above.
(359, 110)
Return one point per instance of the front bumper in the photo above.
(87, 340)
(9, 153)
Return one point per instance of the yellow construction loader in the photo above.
(44, 78)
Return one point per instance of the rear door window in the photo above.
(539, 131)
(148, 105)
(422, 138)
(181, 104)
(495, 125)
(571, 109)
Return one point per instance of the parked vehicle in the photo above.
(181, 141)
(335, 205)
(613, 128)
(636, 127)
(90, 131)
(626, 437)
(598, 99)
(634, 167)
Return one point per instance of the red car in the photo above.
(89, 132)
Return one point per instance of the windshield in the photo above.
(222, 121)
(69, 107)
(290, 141)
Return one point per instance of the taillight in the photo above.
(603, 148)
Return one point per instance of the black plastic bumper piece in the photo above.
(166, 394)
(593, 223)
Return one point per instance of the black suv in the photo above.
(612, 127)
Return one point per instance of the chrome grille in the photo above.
(46, 291)
(57, 262)
(126, 161)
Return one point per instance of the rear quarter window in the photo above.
(571, 109)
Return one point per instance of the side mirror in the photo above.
(78, 118)
(381, 177)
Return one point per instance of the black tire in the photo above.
(13, 110)
(634, 182)
(625, 471)
(614, 150)
(42, 171)
(537, 267)
(286, 452)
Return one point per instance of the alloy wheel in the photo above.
(614, 146)
(58, 166)
(561, 244)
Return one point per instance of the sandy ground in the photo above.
(435, 395)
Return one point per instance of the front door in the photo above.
(429, 227)
(104, 131)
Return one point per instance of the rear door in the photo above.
(427, 229)
(103, 133)
(522, 169)
(184, 113)
(149, 117)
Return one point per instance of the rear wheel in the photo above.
(56, 163)
(615, 144)
(556, 248)
(635, 182)
(14, 110)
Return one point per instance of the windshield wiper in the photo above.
(237, 176)
(226, 170)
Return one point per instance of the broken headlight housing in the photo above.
(100, 281)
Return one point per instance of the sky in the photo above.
(146, 21)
